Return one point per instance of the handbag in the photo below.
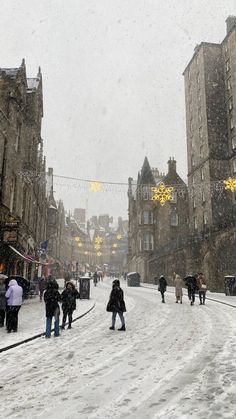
(203, 286)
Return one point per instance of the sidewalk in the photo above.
(218, 296)
(32, 320)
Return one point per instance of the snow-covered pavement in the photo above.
(174, 361)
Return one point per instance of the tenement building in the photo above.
(198, 231)
(23, 205)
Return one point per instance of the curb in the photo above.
(14, 345)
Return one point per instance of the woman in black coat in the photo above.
(52, 297)
(116, 304)
(162, 287)
(69, 296)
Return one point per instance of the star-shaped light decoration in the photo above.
(77, 238)
(162, 193)
(95, 186)
(99, 253)
(119, 237)
(98, 240)
(230, 184)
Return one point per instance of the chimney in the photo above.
(171, 165)
(230, 23)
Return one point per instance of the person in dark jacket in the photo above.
(162, 287)
(95, 278)
(42, 287)
(52, 298)
(68, 297)
(191, 283)
(2, 301)
(116, 304)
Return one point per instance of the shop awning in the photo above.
(27, 258)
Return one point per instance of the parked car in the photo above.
(24, 283)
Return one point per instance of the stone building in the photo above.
(210, 94)
(23, 208)
(156, 233)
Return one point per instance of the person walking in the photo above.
(52, 298)
(192, 287)
(116, 304)
(162, 287)
(178, 283)
(95, 278)
(68, 297)
(14, 300)
(2, 301)
(42, 287)
(202, 286)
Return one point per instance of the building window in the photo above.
(195, 223)
(147, 241)
(231, 123)
(230, 104)
(234, 143)
(174, 197)
(203, 197)
(147, 217)
(13, 195)
(174, 219)
(201, 151)
(192, 161)
(145, 193)
(194, 202)
(234, 166)
(227, 66)
(205, 218)
(200, 132)
(229, 83)
(17, 141)
(202, 174)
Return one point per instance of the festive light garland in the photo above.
(160, 193)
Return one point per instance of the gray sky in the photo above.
(113, 84)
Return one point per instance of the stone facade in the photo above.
(22, 168)
(206, 236)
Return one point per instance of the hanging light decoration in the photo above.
(95, 186)
(230, 184)
(119, 237)
(162, 193)
(98, 240)
(77, 238)
(99, 253)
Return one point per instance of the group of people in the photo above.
(194, 283)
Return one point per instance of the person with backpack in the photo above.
(69, 296)
(52, 298)
(116, 304)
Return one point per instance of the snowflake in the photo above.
(95, 186)
(162, 193)
(230, 184)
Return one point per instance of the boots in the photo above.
(112, 328)
(122, 328)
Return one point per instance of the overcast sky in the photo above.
(112, 84)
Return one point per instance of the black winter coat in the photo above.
(69, 299)
(52, 297)
(191, 283)
(116, 300)
(162, 284)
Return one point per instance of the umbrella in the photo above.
(2, 276)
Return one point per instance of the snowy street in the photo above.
(174, 361)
